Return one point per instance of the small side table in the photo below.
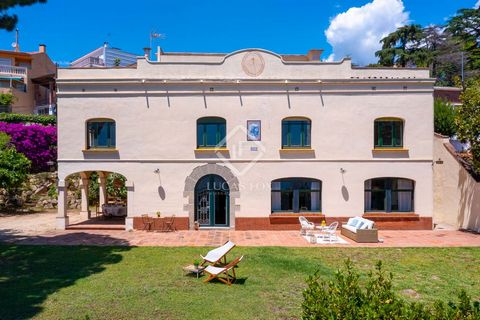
(191, 269)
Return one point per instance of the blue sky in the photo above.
(73, 28)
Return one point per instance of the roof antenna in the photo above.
(15, 44)
(156, 35)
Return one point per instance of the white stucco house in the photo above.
(252, 139)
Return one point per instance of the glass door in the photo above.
(212, 202)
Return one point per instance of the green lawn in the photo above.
(82, 282)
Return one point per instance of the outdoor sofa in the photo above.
(360, 230)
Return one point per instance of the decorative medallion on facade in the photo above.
(253, 64)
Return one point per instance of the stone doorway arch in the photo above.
(201, 171)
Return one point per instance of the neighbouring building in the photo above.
(30, 76)
(105, 56)
(252, 139)
(456, 190)
(450, 94)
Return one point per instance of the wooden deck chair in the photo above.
(216, 255)
(147, 222)
(169, 224)
(224, 274)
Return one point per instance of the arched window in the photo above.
(389, 195)
(296, 133)
(100, 134)
(211, 132)
(296, 195)
(388, 133)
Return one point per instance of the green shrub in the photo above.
(468, 121)
(345, 298)
(52, 191)
(444, 118)
(7, 99)
(4, 140)
(14, 166)
(28, 118)
(115, 187)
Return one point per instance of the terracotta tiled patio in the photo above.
(434, 238)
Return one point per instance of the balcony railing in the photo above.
(46, 109)
(90, 62)
(13, 71)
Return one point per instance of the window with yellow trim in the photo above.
(101, 134)
(296, 133)
(211, 132)
(388, 133)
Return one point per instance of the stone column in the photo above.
(62, 205)
(102, 190)
(130, 205)
(84, 210)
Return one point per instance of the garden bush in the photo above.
(38, 143)
(345, 298)
(28, 118)
(444, 118)
(468, 121)
(7, 99)
(14, 166)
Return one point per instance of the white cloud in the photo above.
(477, 5)
(357, 31)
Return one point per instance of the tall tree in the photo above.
(468, 121)
(465, 28)
(404, 47)
(447, 61)
(433, 46)
(9, 21)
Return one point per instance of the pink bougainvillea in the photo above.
(38, 143)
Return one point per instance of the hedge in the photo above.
(350, 297)
(28, 118)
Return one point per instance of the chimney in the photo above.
(146, 52)
(314, 54)
(42, 48)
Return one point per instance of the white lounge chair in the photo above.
(214, 256)
(307, 227)
(331, 231)
(217, 272)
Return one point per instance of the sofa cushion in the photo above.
(350, 228)
(360, 224)
(367, 224)
(353, 222)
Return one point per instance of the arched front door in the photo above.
(212, 201)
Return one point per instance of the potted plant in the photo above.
(158, 214)
(196, 263)
(6, 101)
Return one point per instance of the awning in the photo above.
(11, 78)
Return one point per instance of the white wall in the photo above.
(342, 129)
(456, 193)
(254, 198)
(156, 128)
